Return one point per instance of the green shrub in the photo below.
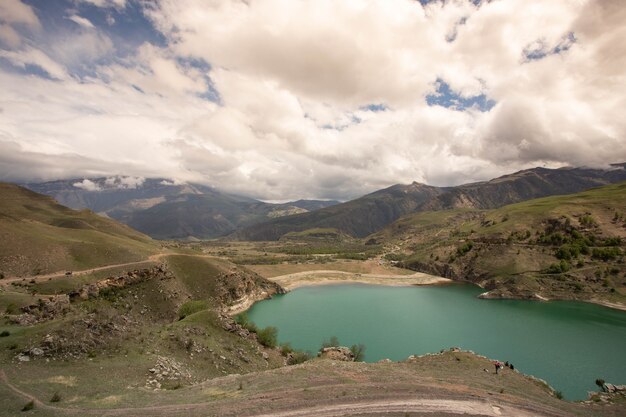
(466, 247)
(558, 268)
(55, 398)
(191, 307)
(612, 241)
(298, 357)
(5, 333)
(558, 395)
(243, 320)
(588, 221)
(358, 351)
(606, 254)
(333, 341)
(285, 348)
(268, 336)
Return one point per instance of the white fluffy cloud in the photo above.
(326, 99)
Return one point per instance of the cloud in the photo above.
(280, 99)
(16, 12)
(118, 4)
(9, 36)
(124, 182)
(87, 185)
(81, 21)
(36, 57)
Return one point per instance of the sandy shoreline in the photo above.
(322, 277)
(615, 306)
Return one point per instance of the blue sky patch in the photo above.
(375, 107)
(446, 97)
(539, 50)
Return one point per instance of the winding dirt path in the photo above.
(465, 407)
(151, 258)
(363, 407)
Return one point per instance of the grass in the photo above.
(47, 237)
(191, 307)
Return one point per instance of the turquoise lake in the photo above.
(568, 344)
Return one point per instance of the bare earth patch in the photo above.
(308, 278)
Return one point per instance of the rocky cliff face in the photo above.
(237, 290)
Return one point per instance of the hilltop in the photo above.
(40, 236)
(563, 247)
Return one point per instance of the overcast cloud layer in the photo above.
(284, 99)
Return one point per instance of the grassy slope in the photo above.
(506, 246)
(132, 327)
(37, 235)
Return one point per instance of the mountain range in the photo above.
(164, 209)
(370, 213)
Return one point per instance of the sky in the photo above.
(288, 99)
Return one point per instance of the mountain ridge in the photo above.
(507, 189)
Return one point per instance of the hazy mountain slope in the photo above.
(564, 247)
(358, 217)
(113, 193)
(165, 210)
(37, 235)
(371, 213)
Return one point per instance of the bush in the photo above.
(5, 333)
(28, 406)
(243, 320)
(191, 307)
(285, 348)
(606, 254)
(55, 398)
(558, 268)
(333, 341)
(358, 351)
(466, 247)
(587, 220)
(298, 357)
(268, 337)
(558, 395)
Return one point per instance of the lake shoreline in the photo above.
(324, 277)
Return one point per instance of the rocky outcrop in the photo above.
(45, 309)
(94, 290)
(51, 307)
(337, 353)
(238, 289)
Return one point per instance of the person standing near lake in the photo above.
(497, 365)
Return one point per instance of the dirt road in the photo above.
(151, 258)
(417, 406)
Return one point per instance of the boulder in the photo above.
(338, 353)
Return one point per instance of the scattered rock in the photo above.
(339, 353)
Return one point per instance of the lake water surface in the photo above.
(568, 344)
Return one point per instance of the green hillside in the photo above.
(567, 247)
(39, 236)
